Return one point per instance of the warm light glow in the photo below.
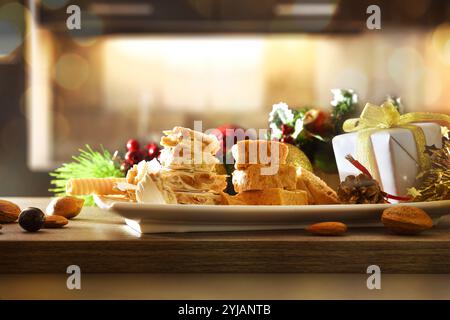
(433, 87)
(353, 78)
(38, 55)
(71, 71)
(124, 8)
(191, 73)
(447, 50)
(441, 42)
(145, 84)
(406, 65)
(305, 9)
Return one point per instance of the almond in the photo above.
(55, 222)
(9, 212)
(67, 207)
(327, 228)
(406, 220)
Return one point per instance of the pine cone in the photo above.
(360, 190)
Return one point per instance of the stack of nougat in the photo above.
(188, 174)
(186, 171)
(262, 177)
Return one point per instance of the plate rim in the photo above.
(110, 204)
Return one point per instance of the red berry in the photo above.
(318, 122)
(152, 150)
(287, 139)
(134, 157)
(142, 155)
(223, 129)
(222, 133)
(133, 145)
(287, 129)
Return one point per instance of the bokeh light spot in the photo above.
(90, 32)
(406, 64)
(10, 38)
(12, 28)
(71, 71)
(441, 42)
(353, 78)
(433, 87)
(446, 52)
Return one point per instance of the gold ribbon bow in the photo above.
(374, 118)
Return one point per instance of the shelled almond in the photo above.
(55, 222)
(9, 211)
(327, 228)
(67, 207)
(406, 220)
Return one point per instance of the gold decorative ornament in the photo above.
(298, 158)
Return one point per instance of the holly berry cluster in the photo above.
(301, 126)
(312, 129)
(135, 154)
(286, 133)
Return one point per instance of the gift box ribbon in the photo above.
(375, 118)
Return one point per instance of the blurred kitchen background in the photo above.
(140, 66)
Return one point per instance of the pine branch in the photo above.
(88, 164)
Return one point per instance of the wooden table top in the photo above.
(100, 242)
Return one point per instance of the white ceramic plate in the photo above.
(151, 218)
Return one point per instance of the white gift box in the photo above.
(395, 153)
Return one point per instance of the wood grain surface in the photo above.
(99, 242)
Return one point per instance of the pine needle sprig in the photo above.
(88, 164)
